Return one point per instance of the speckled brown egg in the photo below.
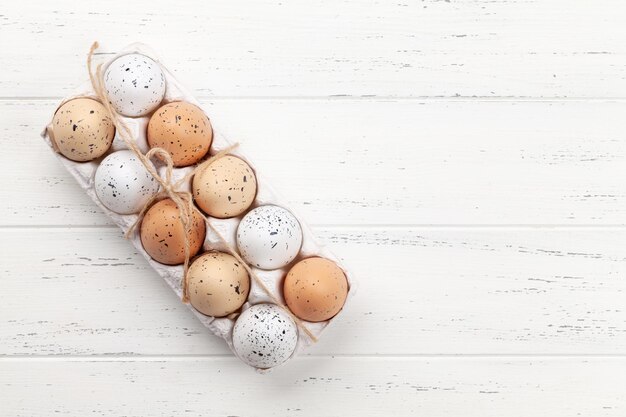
(163, 235)
(315, 289)
(218, 284)
(183, 130)
(226, 188)
(82, 129)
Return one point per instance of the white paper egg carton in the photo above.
(84, 173)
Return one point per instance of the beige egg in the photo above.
(315, 289)
(218, 284)
(183, 130)
(82, 129)
(163, 235)
(226, 188)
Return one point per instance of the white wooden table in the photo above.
(467, 159)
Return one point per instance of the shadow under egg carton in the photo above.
(220, 233)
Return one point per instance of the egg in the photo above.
(163, 235)
(183, 130)
(135, 85)
(264, 336)
(226, 188)
(315, 289)
(218, 284)
(82, 129)
(123, 184)
(269, 237)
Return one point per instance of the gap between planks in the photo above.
(382, 357)
(382, 98)
(379, 226)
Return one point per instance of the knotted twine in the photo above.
(169, 188)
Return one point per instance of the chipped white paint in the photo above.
(487, 231)
(459, 290)
(516, 387)
(421, 162)
(486, 48)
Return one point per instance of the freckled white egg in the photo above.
(123, 184)
(269, 237)
(264, 336)
(135, 85)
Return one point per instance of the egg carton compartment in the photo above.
(220, 233)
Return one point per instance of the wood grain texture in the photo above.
(379, 162)
(563, 48)
(457, 291)
(331, 387)
(466, 159)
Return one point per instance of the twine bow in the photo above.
(182, 199)
(171, 189)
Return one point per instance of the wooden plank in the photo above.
(317, 386)
(378, 162)
(422, 291)
(256, 48)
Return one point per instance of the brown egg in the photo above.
(315, 289)
(226, 188)
(183, 130)
(218, 284)
(82, 129)
(163, 236)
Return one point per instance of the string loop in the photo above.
(171, 189)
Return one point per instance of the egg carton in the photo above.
(222, 232)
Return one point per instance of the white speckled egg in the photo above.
(123, 184)
(135, 85)
(264, 336)
(269, 237)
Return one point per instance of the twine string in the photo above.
(182, 200)
(171, 189)
(256, 278)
